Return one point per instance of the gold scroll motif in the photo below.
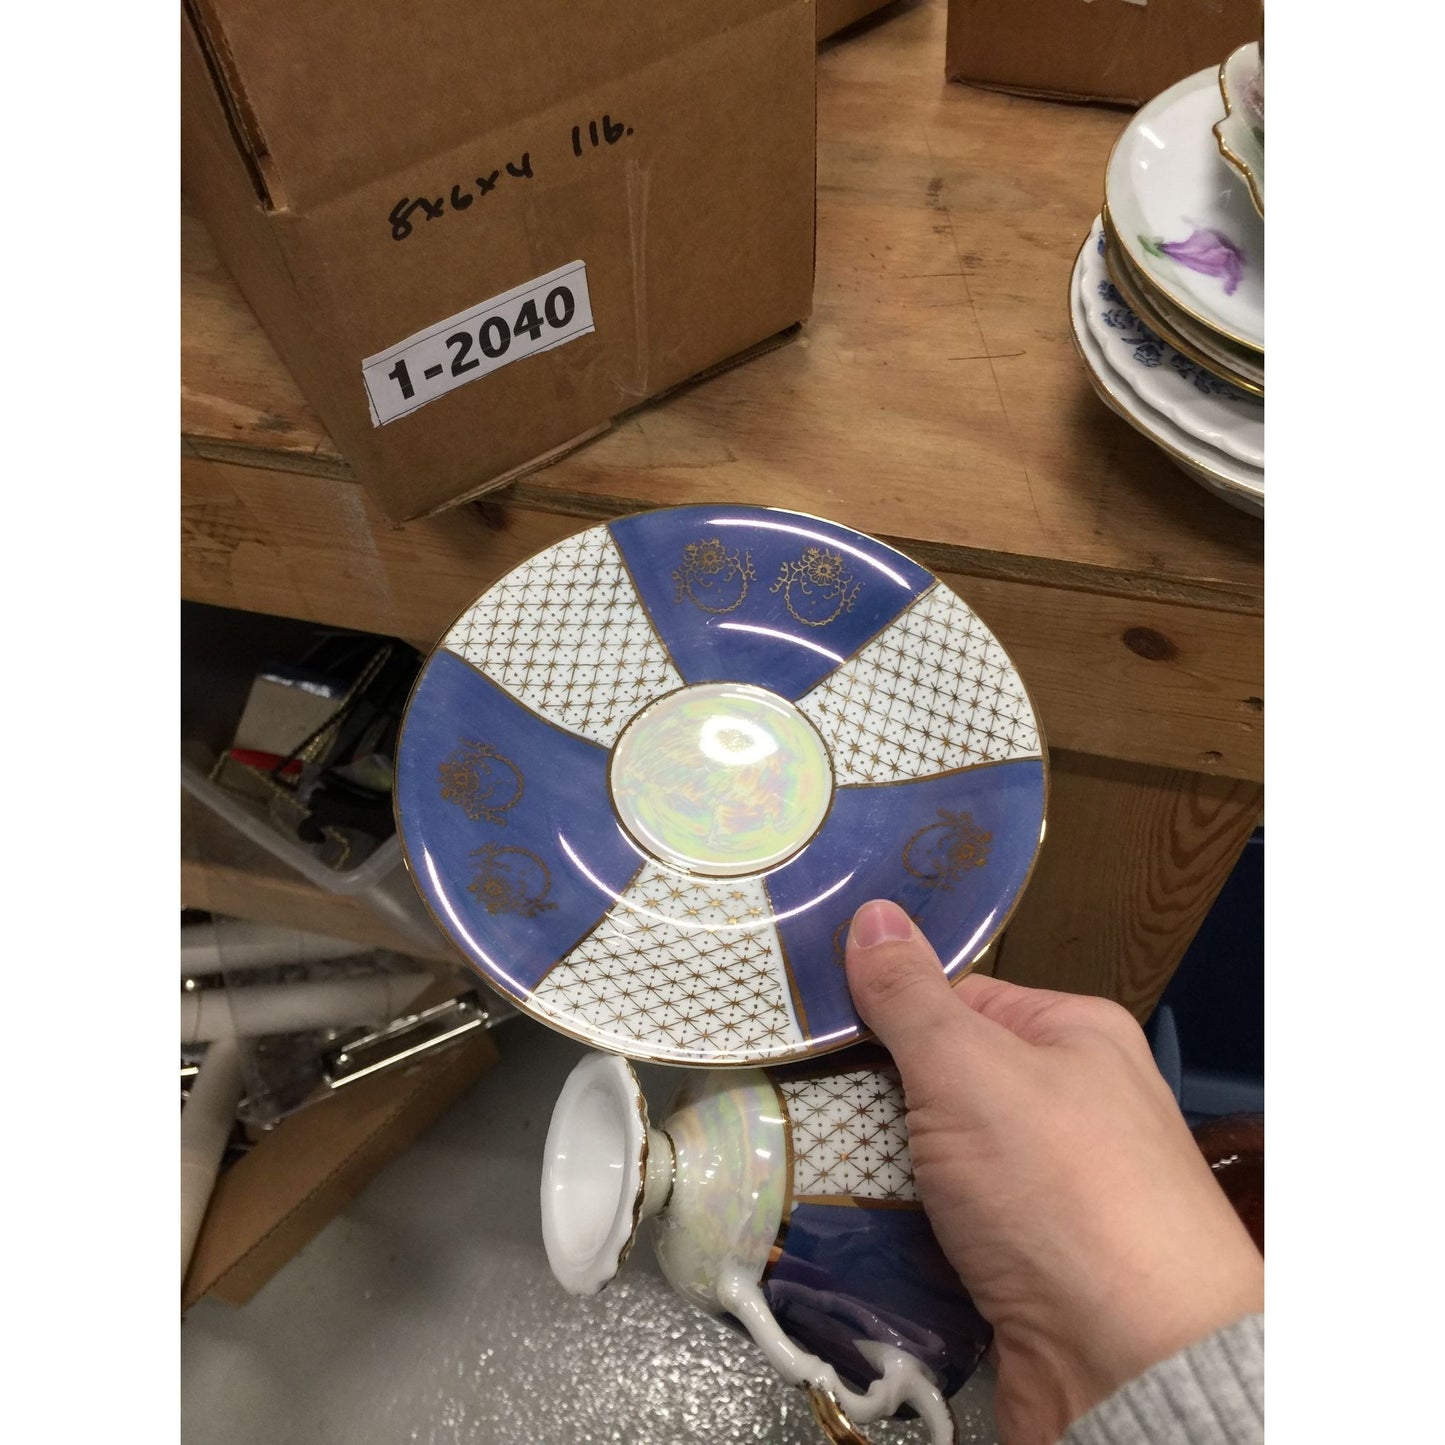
(946, 851)
(817, 587)
(510, 880)
(712, 578)
(480, 781)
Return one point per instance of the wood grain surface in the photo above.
(1132, 860)
(1128, 678)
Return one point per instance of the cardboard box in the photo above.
(630, 186)
(835, 15)
(272, 1202)
(1121, 51)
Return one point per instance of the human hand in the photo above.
(1058, 1174)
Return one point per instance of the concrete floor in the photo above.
(426, 1313)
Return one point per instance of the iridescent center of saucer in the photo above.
(721, 779)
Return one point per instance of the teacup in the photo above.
(784, 1200)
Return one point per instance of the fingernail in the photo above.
(880, 922)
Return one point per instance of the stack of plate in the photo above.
(1167, 297)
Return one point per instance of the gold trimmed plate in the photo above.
(645, 778)
(1235, 364)
(1185, 391)
(1184, 217)
(1232, 481)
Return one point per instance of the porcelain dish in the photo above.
(1238, 365)
(645, 780)
(1240, 133)
(1235, 482)
(1175, 385)
(1184, 216)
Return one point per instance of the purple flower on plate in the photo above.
(1209, 252)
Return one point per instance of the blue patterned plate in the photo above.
(1235, 482)
(1176, 386)
(645, 780)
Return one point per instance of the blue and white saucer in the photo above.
(645, 780)
(1176, 386)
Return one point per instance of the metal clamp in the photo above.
(404, 1040)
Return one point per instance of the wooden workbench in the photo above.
(934, 399)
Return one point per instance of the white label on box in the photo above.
(535, 316)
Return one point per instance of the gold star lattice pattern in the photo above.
(933, 692)
(849, 1136)
(566, 635)
(681, 969)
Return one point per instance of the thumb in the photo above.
(900, 991)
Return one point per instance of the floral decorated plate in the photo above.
(1176, 386)
(1235, 482)
(1240, 134)
(1236, 364)
(645, 780)
(1184, 216)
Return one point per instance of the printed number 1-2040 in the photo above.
(494, 337)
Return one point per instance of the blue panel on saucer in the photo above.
(492, 798)
(746, 594)
(953, 850)
(850, 1272)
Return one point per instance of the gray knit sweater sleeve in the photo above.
(1210, 1394)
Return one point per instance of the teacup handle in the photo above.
(837, 1428)
(831, 1418)
(838, 1409)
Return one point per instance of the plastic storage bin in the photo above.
(380, 881)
